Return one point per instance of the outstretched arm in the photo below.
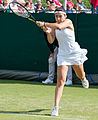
(66, 24)
(49, 31)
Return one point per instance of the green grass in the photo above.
(26, 100)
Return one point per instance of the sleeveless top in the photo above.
(66, 40)
(69, 51)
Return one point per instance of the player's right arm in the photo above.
(50, 35)
(49, 31)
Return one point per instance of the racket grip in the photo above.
(31, 20)
(44, 27)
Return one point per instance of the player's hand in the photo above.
(42, 25)
(48, 30)
(51, 55)
(39, 23)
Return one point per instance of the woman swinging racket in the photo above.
(69, 52)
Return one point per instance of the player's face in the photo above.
(60, 17)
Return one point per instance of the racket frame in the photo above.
(31, 18)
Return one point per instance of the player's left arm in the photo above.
(66, 24)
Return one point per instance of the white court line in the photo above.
(45, 116)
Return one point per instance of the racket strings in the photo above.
(19, 10)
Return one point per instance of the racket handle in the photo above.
(31, 20)
(44, 27)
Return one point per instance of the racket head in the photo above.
(19, 9)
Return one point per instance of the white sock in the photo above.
(56, 107)
(84, 79)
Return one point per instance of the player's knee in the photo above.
(60, 83)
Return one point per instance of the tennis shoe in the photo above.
(68, 82)
(55, 111)
(85, 83)
(47, 81)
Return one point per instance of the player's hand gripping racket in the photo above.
(21, 11)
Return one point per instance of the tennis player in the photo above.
(69, 52)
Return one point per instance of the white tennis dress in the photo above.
(69, 52)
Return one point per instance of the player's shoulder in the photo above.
(68, 20)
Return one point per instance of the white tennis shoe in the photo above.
(85, 83)
(68, 82)
(55, 111)
(47, 81)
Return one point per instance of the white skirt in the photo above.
(75, 58)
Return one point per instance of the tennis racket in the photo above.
(21, 11)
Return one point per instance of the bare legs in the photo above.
(61, 78)
(79, 70)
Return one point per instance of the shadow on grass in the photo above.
(80, 86)
(39, 83)
(31, 112)
(3, 81)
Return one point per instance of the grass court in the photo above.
(28, 100)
